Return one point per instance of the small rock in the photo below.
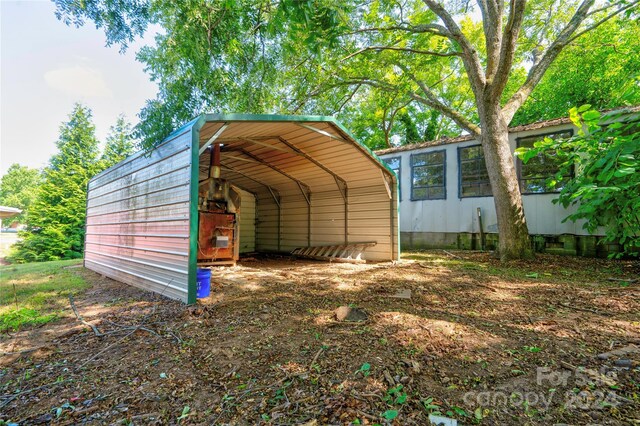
(45, 418)
(346, 313)
(629, 349)
(404, 293)
(442, 421)
(595, 415)
(623, 363)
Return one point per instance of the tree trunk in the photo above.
(514, 240)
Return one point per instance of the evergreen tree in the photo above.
(18, 189)
(119, 145)
(56, 219)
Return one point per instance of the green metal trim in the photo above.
(193, 208)
(268, 117)
(398, 216)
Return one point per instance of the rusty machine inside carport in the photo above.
(218, 210)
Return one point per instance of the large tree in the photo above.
(474, 63)
(55, 221)
(120, 144)
(18, 188)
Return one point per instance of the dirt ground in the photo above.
(478, 341)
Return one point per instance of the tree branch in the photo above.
(348, 98)
(492, 25)
(401, 49)
(470, 56)
(415, 29)
(537, 70)
(603, 20)
(507, 48)
(430, 99)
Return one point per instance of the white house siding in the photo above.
(432, 219)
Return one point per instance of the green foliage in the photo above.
(597, 69)
(283, 57)
(604, 192)
(18, 188)
(364, 369)
(120, 144)
(55, 225)
(313, 56)
(41, 291)
(122, 20)
(390, 414)
(16, 318)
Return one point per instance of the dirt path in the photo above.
(477, 341)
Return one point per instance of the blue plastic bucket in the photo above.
(203, 277)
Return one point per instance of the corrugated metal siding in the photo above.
(372, 213)
(138, 219)
(247, 222)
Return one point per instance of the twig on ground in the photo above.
(79, 318)
(593, 311)
(131, 327)
(315, 358)
(598, 377)
(485, 286)
(11, 397)
(358, 395)
(451, 254)
(367, 415)
(623, 280)
(627, 288)
(25, 351)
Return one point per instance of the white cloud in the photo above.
(78, 81)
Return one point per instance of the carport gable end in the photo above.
(312, 182)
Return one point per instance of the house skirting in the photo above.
(565, 244)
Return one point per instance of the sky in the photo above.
(45, 67)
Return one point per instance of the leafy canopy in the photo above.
(120, 144)
(382, 66)
(18, 189)
(55, 222)
(598, 69)
(604, 190)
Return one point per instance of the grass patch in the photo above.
(41, 289)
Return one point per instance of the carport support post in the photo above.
(346, 215)
(193, 210)
(309, 222)
(307, 198)
(277, 200)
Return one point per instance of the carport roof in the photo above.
(286, 153)
(6, 212)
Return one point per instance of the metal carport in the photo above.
(312, 184)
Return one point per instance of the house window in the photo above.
(394, 164)
(474, 179)
(536, 175)
(428, 176)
